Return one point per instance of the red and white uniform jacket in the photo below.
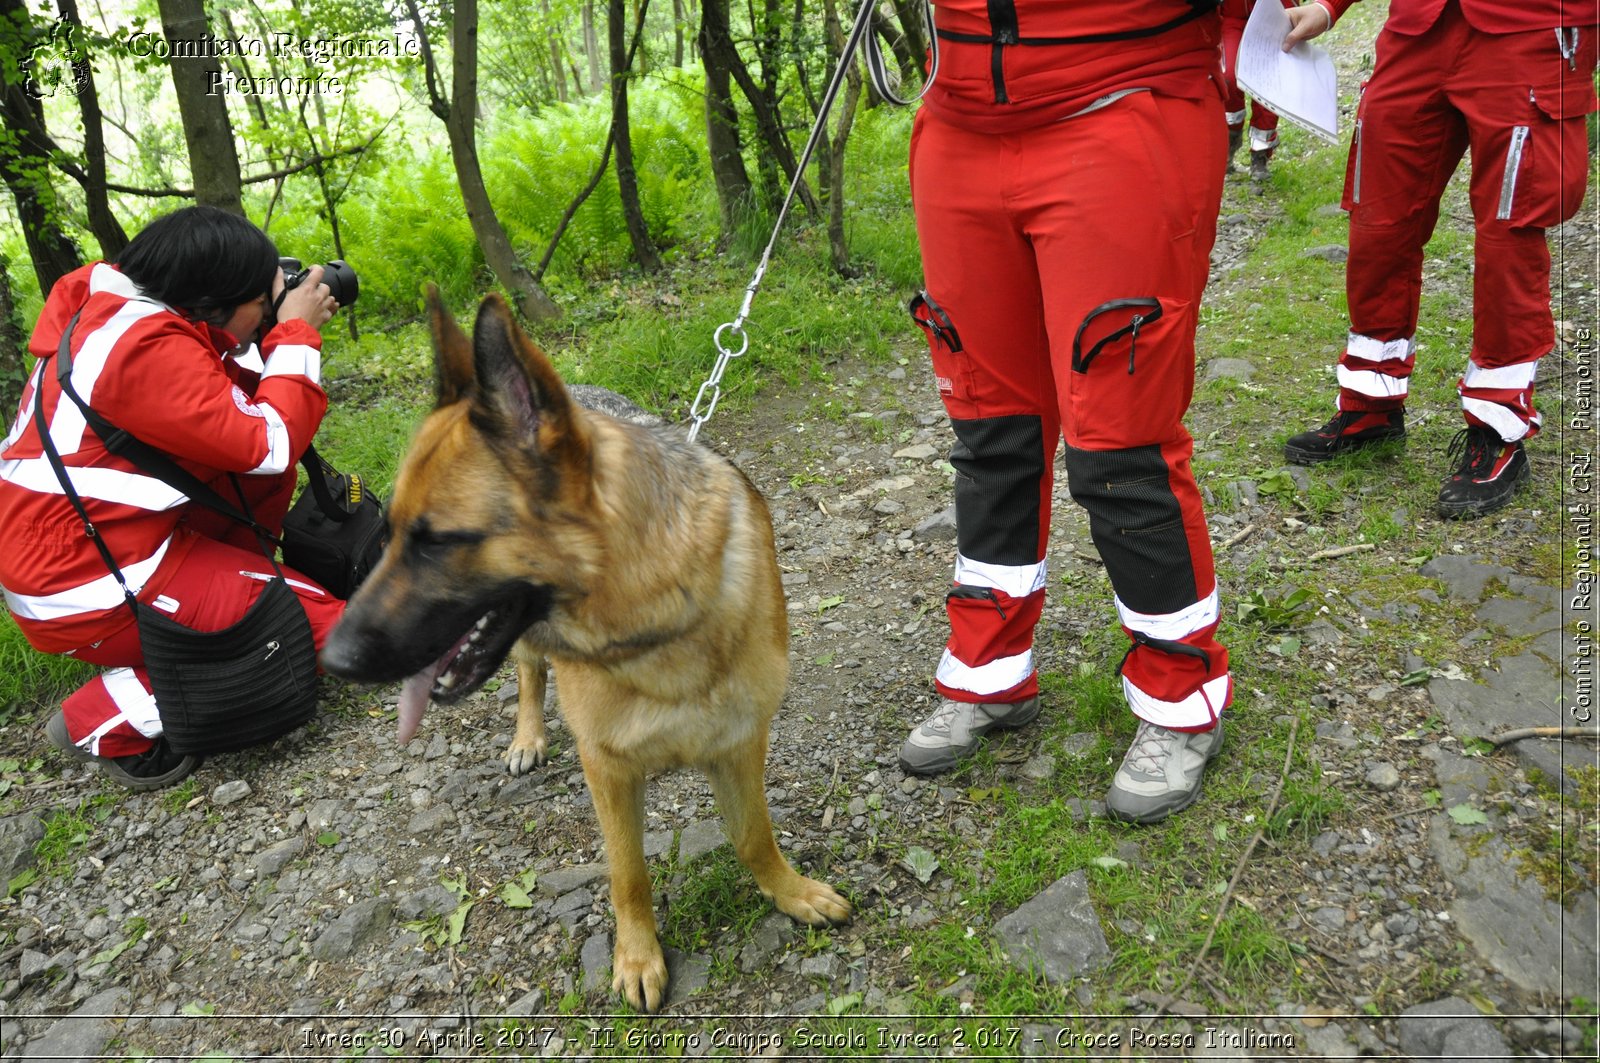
(1413, 17)
(165, 379)
(1007, 65)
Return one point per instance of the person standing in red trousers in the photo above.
(1263, 120)
(1512, 80)
(1066, 172)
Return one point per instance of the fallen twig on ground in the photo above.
(1505, 738)
(1341, 551)
(1237, 537)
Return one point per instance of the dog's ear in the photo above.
(452, 351)
(516, 381)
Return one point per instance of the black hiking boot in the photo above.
(1349, 430)
(1490, 472)
(1258, 170)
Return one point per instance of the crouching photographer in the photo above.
(143, 488)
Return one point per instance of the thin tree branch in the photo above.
(436, 101)
(77, 174)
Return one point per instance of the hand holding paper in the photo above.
(1308, 21)
(1299, 84)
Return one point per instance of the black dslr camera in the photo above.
(337, 275)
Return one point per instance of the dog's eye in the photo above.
(433, 540)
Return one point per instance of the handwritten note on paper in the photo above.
(1300, 85)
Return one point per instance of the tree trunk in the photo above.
(213, 157)
(256, 105)
(716, 37)
(459, 114)
(909, 15)
(848, 97)
(102, 222)
(558, 73)
(13, 355)
(330, 202)
(643, 59)
(644, 250)
(599, 170)
(679, 19)
(722, 123)
(591, 47)
(25, 164)
(824, 173)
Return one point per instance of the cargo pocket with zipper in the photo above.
(1352, 171)
(1132, 372)
(1544, 164)
(952, 366)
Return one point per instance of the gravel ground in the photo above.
(318, 877)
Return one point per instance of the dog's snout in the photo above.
(349, 653)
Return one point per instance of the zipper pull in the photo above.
(1133, 339)
(1568, 45)
(984, 593)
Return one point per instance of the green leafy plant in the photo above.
(1258, 607)
(446, 931)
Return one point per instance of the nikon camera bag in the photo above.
(336, 530)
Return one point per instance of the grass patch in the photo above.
(1308, 805)
(69, 831)
(1560, 853)
(29, 680)
(176, 798)
(657, 352)
(718, 895)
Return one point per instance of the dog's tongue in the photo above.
(414, 695)
(414, 699)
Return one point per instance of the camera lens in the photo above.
(341, 281)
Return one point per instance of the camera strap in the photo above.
(319, 475)
(125, 445)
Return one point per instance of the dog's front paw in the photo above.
(523, 757)
(640, 976)
(812, 902)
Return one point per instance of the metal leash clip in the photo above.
(860, 34)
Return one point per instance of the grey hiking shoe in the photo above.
(55, 732)
(1161, 772)
(939, 742)
(156, 768)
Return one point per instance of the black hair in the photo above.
(201, 259)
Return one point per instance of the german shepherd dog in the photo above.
(639, 565)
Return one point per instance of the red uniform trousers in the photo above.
(1519, 104)
(1083, 242)
(1263, 120)
(114, 714)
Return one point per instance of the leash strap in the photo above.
(730, 338)
(879, 70)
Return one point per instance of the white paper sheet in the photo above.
(1300, 85)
